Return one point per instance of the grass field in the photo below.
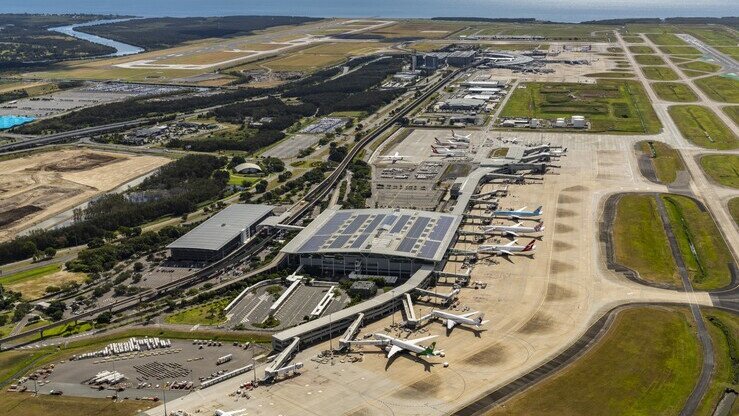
(720, 88)
(701, 66)
(674, 91)
(723, 327)
(659, 73)
(702, 127)
(640, 242)
(667, 161)
(427, 29)
(702, 246)
(633, 39)
(236, 179)
(610, 75)
(205, 58)
(732, 51)
(679, 50)
(316, 57)
(208, 314)
(733, 112)
(619, 106)
(649, 60)
(723, 169)
(641, 49)
(665, 39)
(734, 209)
(34, 273)
(24, 404)
(692, 74)
(646, 364)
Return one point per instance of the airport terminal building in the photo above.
(221, 234)
(375, 242)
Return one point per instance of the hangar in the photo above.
(247, 168)
(377, 242)
(221, 234)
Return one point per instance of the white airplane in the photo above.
(507, 249)
(393, 158)
(511, 140)
(518, 213)
(465, 319)
(461, 137)
(514, 230)
(454, 144)
(447, 152)
(220, 412)
(396, 345)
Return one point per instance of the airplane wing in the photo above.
(511, 233)
(521, 209)
(450, 324)
(511, 243)
(467, 315)
(506, 252)
(394, 350)
(419, 340)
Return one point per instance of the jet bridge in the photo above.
(278, 365)
(495, 192)
(351, 332)
(447, 298)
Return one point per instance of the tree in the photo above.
(50, 252)
(55, 311)
(104, 318)
(138, 266)
(261, 186)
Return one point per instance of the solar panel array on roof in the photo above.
(407, 245)
(400, 224)
(340, 241)
(429, 249)
(418, 227)
(354, 226)
(441, 229)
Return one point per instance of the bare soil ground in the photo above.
(38, 186)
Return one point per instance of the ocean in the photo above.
(555, 10)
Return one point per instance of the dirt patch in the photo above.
(576, 188)
(539, 323)
(563, 228)
(422, 388)
(556, 292)
(362, 411)
(565, 213)
(562, 246)
(35, 288)
(14, 214)
(567, 199)
(79, 162)
(557, 267)
(489, 356)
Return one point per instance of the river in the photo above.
(122, 49)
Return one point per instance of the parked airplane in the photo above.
(464, 319)
(517, 214)
(507, 249)
(220, 412)
(396, 345)
(393, 158)
(514, 230)
(461, 137)
(454, 144)
(447, 152)
(511, 140)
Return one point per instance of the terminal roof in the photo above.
(223, 227)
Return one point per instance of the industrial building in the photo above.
(221, 234)
(377, 242)
(462, 104)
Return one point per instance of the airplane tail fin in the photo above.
(480, 318)
(530, 246)
(537, 211)
(539, 227)
(433, 149)
(429, 350)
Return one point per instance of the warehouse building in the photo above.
(377, 242)
(221, 234)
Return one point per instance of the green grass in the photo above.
(723, 327)
(238, 180)
(701, 244)
(610, 105)
(34, 273)
(649, 60)
(733, 112)
(640, 242)
(674, 91)
(680, 50)
(208, 314)
(701, 66)
(646, 364)
(665, 39)
(723, 169)
(610, 75)
(692, 74)
(720, 88)
(659, 73)
(679, 59)
(23, 404)
(732, 51)
(702, 127)
(633, 39)
(734, 209)
(641, 49)
(667, 161)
